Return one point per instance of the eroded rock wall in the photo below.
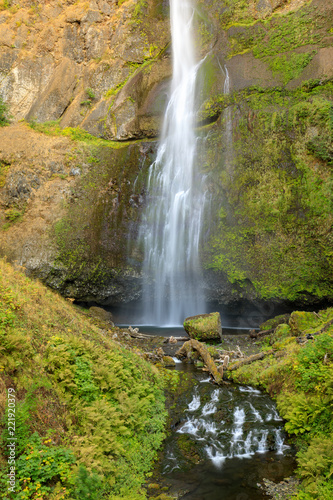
(70, 207)
(97, 64)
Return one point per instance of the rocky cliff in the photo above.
(90, 79)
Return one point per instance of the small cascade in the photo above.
(249, 427)
(279, 442)
(195, 403)
(208, 409)
(239, 417)
(256, 414)
(248, 445)
(215, 455)
(262, 444)
(228, 125)
(250, 390)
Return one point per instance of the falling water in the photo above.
(228, 125)
(173, 218)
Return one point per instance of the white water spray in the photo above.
(173, 219)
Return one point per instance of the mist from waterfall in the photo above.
(172, 221)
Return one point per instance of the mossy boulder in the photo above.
(274, 322)
(168, 361)
(101, 314)
(204, 326)
(301, 321)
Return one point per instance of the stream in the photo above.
(224, 441)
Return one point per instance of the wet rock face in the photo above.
(106, 68)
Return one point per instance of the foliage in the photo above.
(301, 378)
(87, 411)
(40, 465)
(87, 486)
(314, 364)
(4, 113)
(74, 133)
(274, 201)
(316, 469)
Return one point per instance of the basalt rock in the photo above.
(70, 210)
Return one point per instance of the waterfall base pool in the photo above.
(224, 441)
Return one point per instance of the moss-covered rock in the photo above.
(204, 326)
(274, 322)
(271, 231)
(168, 361)
(301, 321)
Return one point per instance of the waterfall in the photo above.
(171, 225)
(228, 125)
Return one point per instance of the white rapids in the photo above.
(247, 428)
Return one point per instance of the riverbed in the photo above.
(223, 442)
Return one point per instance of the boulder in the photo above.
(204, 326)
(168, 361)
(274, 322)
(301, 321)
(102, 314)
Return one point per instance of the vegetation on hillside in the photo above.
(274, 206)
(89, 413)
(300, 377)
(4, 113)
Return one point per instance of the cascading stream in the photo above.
(247, 428)
(172, 222)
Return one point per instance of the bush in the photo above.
(4, 113)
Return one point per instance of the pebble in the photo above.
(285, 490)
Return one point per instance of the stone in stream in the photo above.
(204, 326)
(168, 361)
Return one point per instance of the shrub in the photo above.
(4, 113)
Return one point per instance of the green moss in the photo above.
(274, 322)
(275, 39)
(290, 66)
(204, 326)
(276, 200)
(75, 134)
(4, 113)
(188, 448)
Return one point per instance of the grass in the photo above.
(88, 412)
(52, 128)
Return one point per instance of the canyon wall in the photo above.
(86, 85)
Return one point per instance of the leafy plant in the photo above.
(104, 404)
(87, 486)
(4, 113)
(42, 463)
(311, 368)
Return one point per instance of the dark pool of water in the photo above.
(178, 331)
(224, 441)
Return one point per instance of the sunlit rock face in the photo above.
(264, 147)
(98, 64)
